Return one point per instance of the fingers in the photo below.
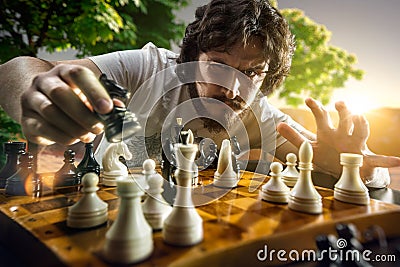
(382, 161)
(361, 127)
(53, 111)
(60, 104)
(345, 118)
(291, 134)
(322, 118)
(88, 83)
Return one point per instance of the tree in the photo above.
(89, 26)
(317, 68)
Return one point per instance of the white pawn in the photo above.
(225, 176)
(304, 197)
(130, 237)
(275, 189)
(113, 168)
(90, 210)
(350, 187)
(155, 207)
(184, 226)
(290, 175)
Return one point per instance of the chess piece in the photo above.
(275, 189)
(129, 239)
(12, 151)
(304, 197)
(120, 124)
(90, 210)
(66, 175)
(88, 163)
(290, 175)
(168, 161)
(225, 176)
(184, 226)
(235, 147)
(155, 208)
(113, 168)
(21, 183)
(350, 187)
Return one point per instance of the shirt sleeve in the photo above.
(131, 68)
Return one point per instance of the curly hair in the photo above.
(223, 23)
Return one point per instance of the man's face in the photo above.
(234, 78)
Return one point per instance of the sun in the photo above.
(358, 102)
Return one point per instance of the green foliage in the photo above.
(89, 26)
(317, 68)
(9, 131)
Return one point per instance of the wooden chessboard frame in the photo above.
(236, 223)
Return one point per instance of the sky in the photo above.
(370, 29)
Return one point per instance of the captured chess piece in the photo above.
(66, 175)
(89, 210)
(184, 226)
(350, 187)
(88, 163)
(304, 197)
(120, 123)
(12, 151)
(155, 208)
(290, 175)
(225, 176)
(275, 189)
(130, 237)
(21, 183)
(113, 168)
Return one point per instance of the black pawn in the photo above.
(66, 176)
(88, 163)
(12, 151)
(21, 183)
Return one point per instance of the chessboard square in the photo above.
(245, 191)
(200, 200)
(252, 224)
(219, 209)
(45, 218)
(106, 195)
(243, 203)
(48, 204)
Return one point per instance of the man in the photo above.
(233, 54)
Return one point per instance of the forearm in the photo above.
(16, 76)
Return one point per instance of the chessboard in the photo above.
(237, 225)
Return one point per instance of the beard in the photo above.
(229, 119)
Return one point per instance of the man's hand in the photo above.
(350, 136)
(58, 106)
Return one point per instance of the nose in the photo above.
(230, 93)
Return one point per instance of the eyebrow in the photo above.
(259, 66)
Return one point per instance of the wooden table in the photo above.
(237, 225)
